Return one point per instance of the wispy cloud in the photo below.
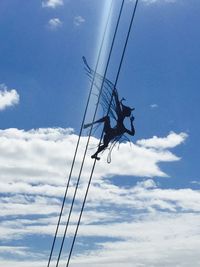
(195, 182)
(54, 23)
(133, 221)
(52, 3)
(151, 224)
(78, 20)
(154, 106)
(170, 141)
(8, 97)
(30, 155)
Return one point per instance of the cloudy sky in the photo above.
(143, 208)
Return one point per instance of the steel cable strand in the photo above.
(93, 167)
(78, 141)
(77, 184)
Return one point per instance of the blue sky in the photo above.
(147, 204)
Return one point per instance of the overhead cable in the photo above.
(88, 140)
(93, 167)
(78, 141)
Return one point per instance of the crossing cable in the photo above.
(79, 137)
(90, 133)
(93, 167)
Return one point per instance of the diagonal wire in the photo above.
(86, 148)
(93, 167)
(78, 141)
(126, 42)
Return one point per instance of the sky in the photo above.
(143, 208)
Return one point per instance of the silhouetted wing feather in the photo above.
(106, 88)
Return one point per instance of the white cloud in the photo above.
(37, 162)
(163, 238)
(142, 219)
(40, 157)
(54, 23)
(170, 141)
(52, 3)
(195, 182)
(8, 97)
(78, 20)
(166, 237)
(154, 106)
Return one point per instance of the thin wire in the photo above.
(93, 167)
(127, 38)
(82, 208)
(86, 148)
(78, 142)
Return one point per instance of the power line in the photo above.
(126, 42)
(86, 148)
(91, 175)
(78, 141)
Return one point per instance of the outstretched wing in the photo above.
(106, 88)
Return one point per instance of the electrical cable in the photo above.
(78, 141)
(77, 184)
(91, 175)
